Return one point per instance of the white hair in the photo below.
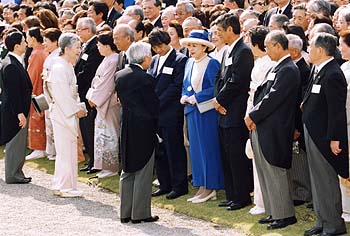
(294, 41)
(137, 52)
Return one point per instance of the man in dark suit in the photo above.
(324, 119)
(16, 95)
(135, 89)
(151, 9)
(85, 70)
(168, 69)
(271, 121)
(299, 173)
(283, 7)
(231, 92)
(112, 15)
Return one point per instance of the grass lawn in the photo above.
(208, 211)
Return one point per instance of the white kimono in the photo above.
(107, 122)
(65, 103)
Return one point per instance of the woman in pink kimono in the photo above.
(102, 96)
(65, 111)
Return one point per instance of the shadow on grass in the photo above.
(207, 211)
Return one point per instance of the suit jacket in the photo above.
(159, 22)
(274, 113)
(86, 67)
(272, 11)
(113, 16)
(169, 87)
(232, 85)
(304, 70)
(140, 104)
(324, 115)
(16, 96)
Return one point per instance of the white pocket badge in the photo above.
(228, 61)
(271, 76)
(85, 57)
(167, 70)
(316, 88)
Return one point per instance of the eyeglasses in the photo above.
(79, 30)
(206, 5)
(260, 4)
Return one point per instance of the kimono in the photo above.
(107, 122)
(65, 104)
(36, 128)
(202, 127)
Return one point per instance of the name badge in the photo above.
(228, 61)
(167, 70)
(271, 76)
(316, 88)
(84, 56)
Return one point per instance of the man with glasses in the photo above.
(183, 11)
(85, 70)
(283, 7)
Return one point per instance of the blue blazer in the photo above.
(207, 85)
(168, 88)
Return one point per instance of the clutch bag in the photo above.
(39, 103)
(205, 106)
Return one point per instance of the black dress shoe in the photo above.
(236, 206)
(28, 178)
(225, 203)
(147, 220)
(298, 202)
(313, 231)
(159, 192)
(125, 220)
(282, 223)
(332, 234)
(85, 169)
(266, 220)
(92, 171)
(22, 181)
(173, 195)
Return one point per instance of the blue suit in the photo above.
(203, 130)
(171, 166)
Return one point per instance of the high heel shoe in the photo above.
(193, 198)
(211, 196)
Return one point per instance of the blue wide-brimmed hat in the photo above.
(198, 36)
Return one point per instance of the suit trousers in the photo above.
(325, 188)
(274, 184)
(136, 191)
(299, 177)
(15, 156)
(171, 166)
(87, 129)
(237, 167)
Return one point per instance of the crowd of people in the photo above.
(249, 96)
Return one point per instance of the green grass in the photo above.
(208, 211)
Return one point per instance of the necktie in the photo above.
(279, 11)
(315, 74)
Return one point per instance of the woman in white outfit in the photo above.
(65, 111)
(51, 36)
(344, 47)
(262, 64)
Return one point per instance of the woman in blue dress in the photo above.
(197, 92)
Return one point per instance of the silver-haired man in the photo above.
(140, 105)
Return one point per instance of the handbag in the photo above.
(205, 106)
(39, 103)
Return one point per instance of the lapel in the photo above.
(188, 74)
(155, 66)
(269, 83)
(232, 53)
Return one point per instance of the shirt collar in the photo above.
(283, 8)
(19, 58)
(87, 42)
(167, 54)
(282, 59)
(320, 66)
(230, 48)
(155, 20)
